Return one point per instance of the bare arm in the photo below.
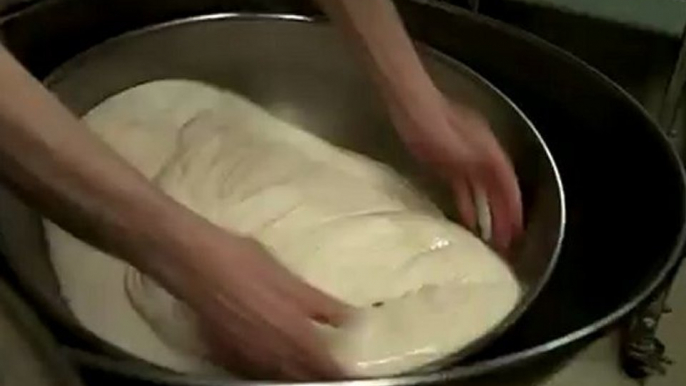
(453, 140)
(52, 159)
(255, 312)
(376, 31)
(70, 175)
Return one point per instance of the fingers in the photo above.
(512, 196)
(496, 175)
(483, 212)
(313, 302)
(272, 339)
(313, 355)
(297, 351)
(504, 202)
(256, 316)
(464, 200)
(309, 303)
(500, 222)
(505, 181)
(492, 171)
(504, 197)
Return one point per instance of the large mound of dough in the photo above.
(423, 286)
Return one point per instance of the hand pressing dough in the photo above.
(423, 287)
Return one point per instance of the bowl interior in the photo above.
(302, 72)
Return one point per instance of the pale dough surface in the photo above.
(344, 223)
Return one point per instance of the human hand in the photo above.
(455, 141)
(256, 316)
(458, 144)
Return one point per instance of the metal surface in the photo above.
(28, 354)
(302, 72)
(624, 184)
(8, 6)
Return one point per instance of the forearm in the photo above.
(376, 29)
(73, 178)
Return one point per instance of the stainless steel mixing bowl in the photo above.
(301, 71)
